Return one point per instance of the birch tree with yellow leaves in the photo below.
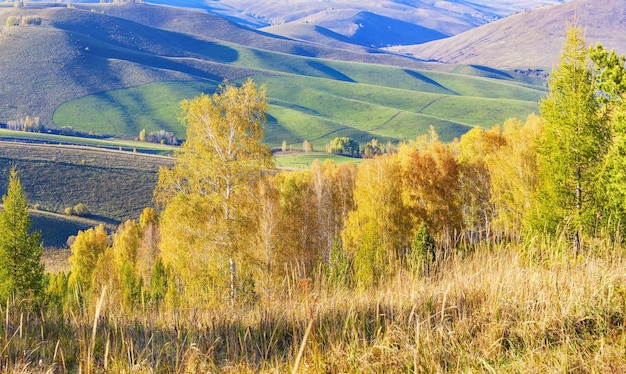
(208, 217)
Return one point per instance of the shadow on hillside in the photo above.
(333, 35)
(492, 73)
(157, 62)
(428, 80)
(110, 38)
(332, 73)
(379, 31)
(54, 230)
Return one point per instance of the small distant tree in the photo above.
(307, 147)
(372, 148)
(284, 146)
(31, 20)
(162, 137)
(142, 135)
(13, 21)
(80, 210)
(21, 270)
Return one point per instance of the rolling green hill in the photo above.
(116, 69)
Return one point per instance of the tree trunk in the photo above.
(233, 280)
(578, 212)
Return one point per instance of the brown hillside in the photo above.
(386, 22)
(530, 39)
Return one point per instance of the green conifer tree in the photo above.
(423, 250)
(573, 145)
(21, 270)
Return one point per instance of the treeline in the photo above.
(352, 225)
(345, 146)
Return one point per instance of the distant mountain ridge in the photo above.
(531, 39)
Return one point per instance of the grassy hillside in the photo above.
(370, 22)
(531, 39)
(368, 102)
(56, 177)
(315, 99)
(147, 61)
(300, 160)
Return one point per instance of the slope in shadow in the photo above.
(330, 72)
(429, 81)
(378, 31)
(492, 73)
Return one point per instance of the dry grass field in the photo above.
(500, 308)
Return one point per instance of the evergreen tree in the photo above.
(573, 145)
(423, 250)
(610, 76)
(21, 270)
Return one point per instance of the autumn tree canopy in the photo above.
(208, 195)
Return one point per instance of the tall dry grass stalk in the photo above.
(496, 309)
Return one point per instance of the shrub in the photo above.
(306, 146)
(13, 21)
(422, 255)
(163, 137)
(80, 210)
(372, 148)
(31, 20)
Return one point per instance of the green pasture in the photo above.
(305, 160)
(125, 112)
(316, 100)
